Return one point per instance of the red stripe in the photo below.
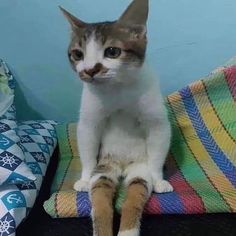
(192, 203)
(230, 77)
(152, 206)
(190, 199)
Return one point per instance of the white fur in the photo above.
(94, 53)
(127, 116)
(81, 185)
(140, 170)
(131, 232)
(114, 174)
(162, 186)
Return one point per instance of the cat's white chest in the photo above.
(123, 137)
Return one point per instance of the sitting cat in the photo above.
(123, 130)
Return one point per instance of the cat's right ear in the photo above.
(74, 21)
(136, 13)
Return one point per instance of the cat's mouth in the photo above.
(96, 80)
(97, 77)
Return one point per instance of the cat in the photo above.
(123, 129)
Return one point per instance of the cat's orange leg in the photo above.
(102, 190)
(102, 193)
(138, 182)
(132, 209)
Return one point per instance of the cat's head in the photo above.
(98, 52)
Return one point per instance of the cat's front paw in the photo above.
(81, 185)
(162, 186)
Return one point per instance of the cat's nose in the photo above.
(95, 70)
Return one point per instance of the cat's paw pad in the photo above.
(81, 185)
(162, 186)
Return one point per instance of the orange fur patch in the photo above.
(102, 194)
(132, 208)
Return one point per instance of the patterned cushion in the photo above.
(5, 75)
(38, 140)
(201, 165)
(12, 166)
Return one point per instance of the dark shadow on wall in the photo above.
(23, 110)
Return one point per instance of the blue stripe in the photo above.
(83, 204)
(170, 203)
(221, 160)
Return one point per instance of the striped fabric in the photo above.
(201, 165)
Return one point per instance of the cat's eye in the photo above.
(77, 55)
(112, 52)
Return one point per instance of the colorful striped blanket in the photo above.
(201, 165)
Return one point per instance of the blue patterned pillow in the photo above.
(12, 166)
(38, 139)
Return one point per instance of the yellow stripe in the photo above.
(66, 204)
(72, 175)
(222, 184)
(212, 122)
(72, 129)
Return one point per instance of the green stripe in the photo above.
(58, 179)
(220, 96)
(65, 156)
(63, 141)
(193, 172)
(49, 206)
(120, 196)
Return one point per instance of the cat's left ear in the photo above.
(136, 16)
(74, 21)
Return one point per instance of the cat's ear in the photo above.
(74, 21)
(136, 13)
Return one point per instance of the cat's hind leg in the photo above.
(138, 183)
(102, 189)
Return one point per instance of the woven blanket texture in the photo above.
(201, 164)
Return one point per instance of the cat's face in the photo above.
(99, 52)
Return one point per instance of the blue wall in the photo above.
(187, 39)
